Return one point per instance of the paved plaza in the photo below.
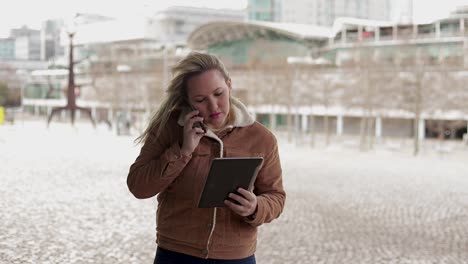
(64, 199)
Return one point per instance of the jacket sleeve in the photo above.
(269, 190)
(157, 166)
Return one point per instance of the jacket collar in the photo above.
(243, 119)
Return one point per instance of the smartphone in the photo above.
(198, 124)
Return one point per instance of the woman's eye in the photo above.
(199, 101)
(218, 94)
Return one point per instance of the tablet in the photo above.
(225, 176)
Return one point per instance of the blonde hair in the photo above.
(176, 97)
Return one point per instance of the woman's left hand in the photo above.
(247, 202)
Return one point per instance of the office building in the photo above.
(50, 39)
(264, 10)
(27, 43)
(174, 24)
(325, 12)
(7, 49)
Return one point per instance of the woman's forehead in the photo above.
(211, 79)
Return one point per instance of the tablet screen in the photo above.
(225, 176)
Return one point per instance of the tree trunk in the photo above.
(370, 133)
(326, 130)
(416, 133)
(289, 123)
(312, 130)
(362, 143)
(417, 113)
(366, 112)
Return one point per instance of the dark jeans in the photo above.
(164, 256)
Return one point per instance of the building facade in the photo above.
(7, 49)
(27, 43)
(321, 12)
(51, 46)
(332, 82)
(174, 24)
(441, 41)
(264, 10)
(402, 11)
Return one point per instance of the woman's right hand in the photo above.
(192, 135)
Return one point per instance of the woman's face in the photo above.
(209, 94)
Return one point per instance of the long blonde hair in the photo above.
(176, 98)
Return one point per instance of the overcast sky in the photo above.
(428, 10)
(32, 12)
(15, 13)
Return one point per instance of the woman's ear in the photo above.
(229, 84)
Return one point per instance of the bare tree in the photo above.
(363, 93)
(3, 94)
(423, 81)
(305, 82)
(12, 81)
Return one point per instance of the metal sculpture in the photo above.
(71, 92)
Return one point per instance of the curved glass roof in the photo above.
(222, 32)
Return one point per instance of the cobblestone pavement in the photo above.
(64, 199)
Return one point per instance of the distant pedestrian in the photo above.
(175, 159)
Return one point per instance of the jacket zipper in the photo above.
(214, 211)
(211, 233)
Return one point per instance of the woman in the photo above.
(175, 159)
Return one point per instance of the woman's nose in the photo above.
(211, 105)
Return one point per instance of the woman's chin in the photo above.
(216, 124)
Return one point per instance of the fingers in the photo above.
(189, 115)
(194, 130)
(192, 134)
(247, 202)
(189, 122)
(244, 198)
(192, 117)
(248, 195)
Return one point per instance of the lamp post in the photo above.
(71, 87)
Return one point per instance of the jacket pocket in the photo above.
(231, 228)
(189, 184)
(237, 231)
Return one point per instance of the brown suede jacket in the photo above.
(178, 180)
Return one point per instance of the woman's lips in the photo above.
(215, 115)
